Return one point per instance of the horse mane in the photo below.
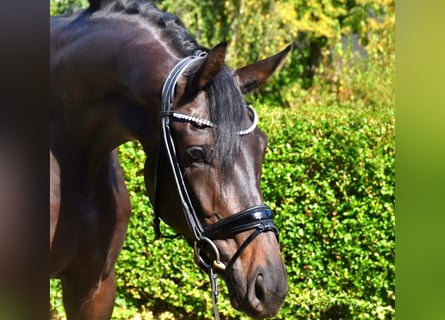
(226, 104)
(227, 109)
(170, 25)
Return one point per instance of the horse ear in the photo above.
(211, 66)
(252, 76)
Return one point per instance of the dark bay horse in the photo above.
(124, 70)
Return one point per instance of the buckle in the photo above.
(216, 263)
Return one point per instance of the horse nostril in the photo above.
(259, 288)
(265, 294)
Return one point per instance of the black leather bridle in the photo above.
(258, 218)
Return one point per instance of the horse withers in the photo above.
(124, 70)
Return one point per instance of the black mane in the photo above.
(171, 25)
(227, 109)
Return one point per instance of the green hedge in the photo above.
(331, 180)
(329, 176)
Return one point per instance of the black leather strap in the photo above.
(259, 219)
(243, 221)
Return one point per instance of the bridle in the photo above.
(258, 218)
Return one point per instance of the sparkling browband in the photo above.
(200, 122)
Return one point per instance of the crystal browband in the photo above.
(200, 122)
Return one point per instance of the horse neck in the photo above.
(107, 93)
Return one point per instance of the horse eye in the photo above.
(196, 153)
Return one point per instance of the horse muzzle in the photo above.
(259, 293)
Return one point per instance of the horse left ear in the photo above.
(211, 66)
(256, 74)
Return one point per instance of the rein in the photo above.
(259, 218)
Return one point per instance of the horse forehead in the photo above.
(197, 105)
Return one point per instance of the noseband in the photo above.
(259, 218)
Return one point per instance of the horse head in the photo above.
(212, 142)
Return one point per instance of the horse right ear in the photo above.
(254, 75)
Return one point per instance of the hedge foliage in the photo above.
(328, 172)
(329, 176)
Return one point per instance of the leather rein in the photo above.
(258, 218)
